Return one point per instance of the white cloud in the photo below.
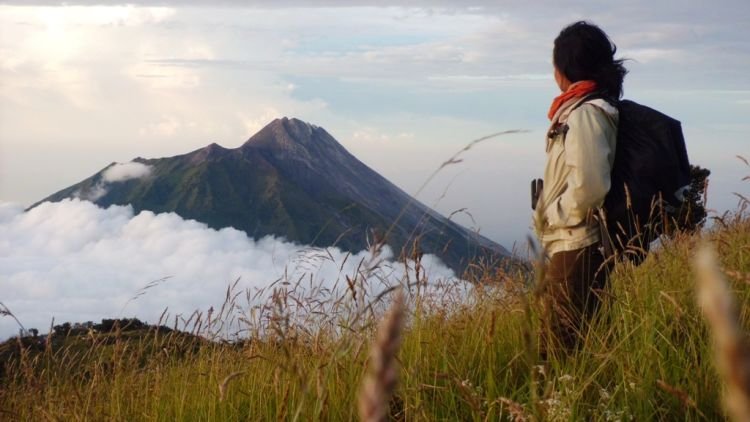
(119, 172)
(377, 137)
(75, 261)
(92, 194)
(125, 171)
(166, 127)
(46, 45)
(119, 15)
(649, 55)
(254, 123)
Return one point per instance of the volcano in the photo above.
(291, 180)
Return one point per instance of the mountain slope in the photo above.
(291, 179)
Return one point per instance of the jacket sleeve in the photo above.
(589, 154)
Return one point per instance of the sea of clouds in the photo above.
(74, 261)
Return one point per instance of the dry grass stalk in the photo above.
(683, 397)
(732, 349)
(672, 300)
(4, 311)
(382, 375)
(224, 384)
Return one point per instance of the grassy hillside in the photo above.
(462, 357)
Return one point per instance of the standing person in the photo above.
(580, 150)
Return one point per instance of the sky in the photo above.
(403, 87)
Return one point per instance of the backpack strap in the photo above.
(606, 243)
(562, 128)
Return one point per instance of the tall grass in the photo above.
(303, 355)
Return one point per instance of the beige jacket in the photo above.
(577, 176)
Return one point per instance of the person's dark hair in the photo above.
(584, 52)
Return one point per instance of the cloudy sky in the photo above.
(403, 88)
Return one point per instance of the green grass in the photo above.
(647, 357)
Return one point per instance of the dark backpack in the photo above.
(650, 177)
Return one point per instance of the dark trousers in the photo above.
(571, 295)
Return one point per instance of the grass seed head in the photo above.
(732, 349)
(382, 376)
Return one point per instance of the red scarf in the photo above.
(576, 90)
